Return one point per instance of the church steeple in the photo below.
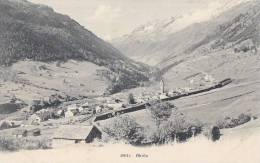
(162, 86)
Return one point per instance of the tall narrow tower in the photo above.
(162, 86)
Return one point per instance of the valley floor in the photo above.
(238, 145)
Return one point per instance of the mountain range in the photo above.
(34, 36)
(159, 41)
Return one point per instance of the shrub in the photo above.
(46, 115)
(125, 128)
(14, 144)
(130, 99)
(212, 133)
(7, 144)
(36, 105)
(5, 125)
(54, 100)
(178, 127)
(229, 122)
(163, 134)
(161, 111)
(223, 122)
(215, 132)
(243, 118)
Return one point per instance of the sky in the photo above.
(110, 19)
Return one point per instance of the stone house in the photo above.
(71, 113)
(116, 106)
(99, 109)
(84, 107)
(60, 113)
(72, 107)
(163, 96)
(35, 119)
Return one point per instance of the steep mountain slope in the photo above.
(224, 47)
(33, 38)
(174, 40)
(233, 30)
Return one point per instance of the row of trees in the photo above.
(170, 125)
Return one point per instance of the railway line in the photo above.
(142, 106)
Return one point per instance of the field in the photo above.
(29, 80)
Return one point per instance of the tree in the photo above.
(54, 100)
(130, 99)
(5, 125)
(176, 127)
(215, 133)
(161, 111)
(212, 132)
(125, 128)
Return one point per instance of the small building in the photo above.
(60, 113)
(72, 110)
(173, 93)
(71, 134)
(163, 96)
(71, 113)
(116, 106)
(84, 107)
(72, 107)
(35, 120)
(99, 109)
(140, 100)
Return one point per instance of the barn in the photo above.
(71, 134)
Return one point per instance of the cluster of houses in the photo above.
(161, 94)
(99, 107)
(68, 134)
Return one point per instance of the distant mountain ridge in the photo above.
(236, 29)
(174, 40)
(36, 32)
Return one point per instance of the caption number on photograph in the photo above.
(137, 155)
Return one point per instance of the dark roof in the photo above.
(74, 132)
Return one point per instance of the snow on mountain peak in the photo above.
(159, 28)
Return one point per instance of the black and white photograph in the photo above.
(129, 81)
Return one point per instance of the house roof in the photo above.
(35, 130)
(73, 132)
(72, 111)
